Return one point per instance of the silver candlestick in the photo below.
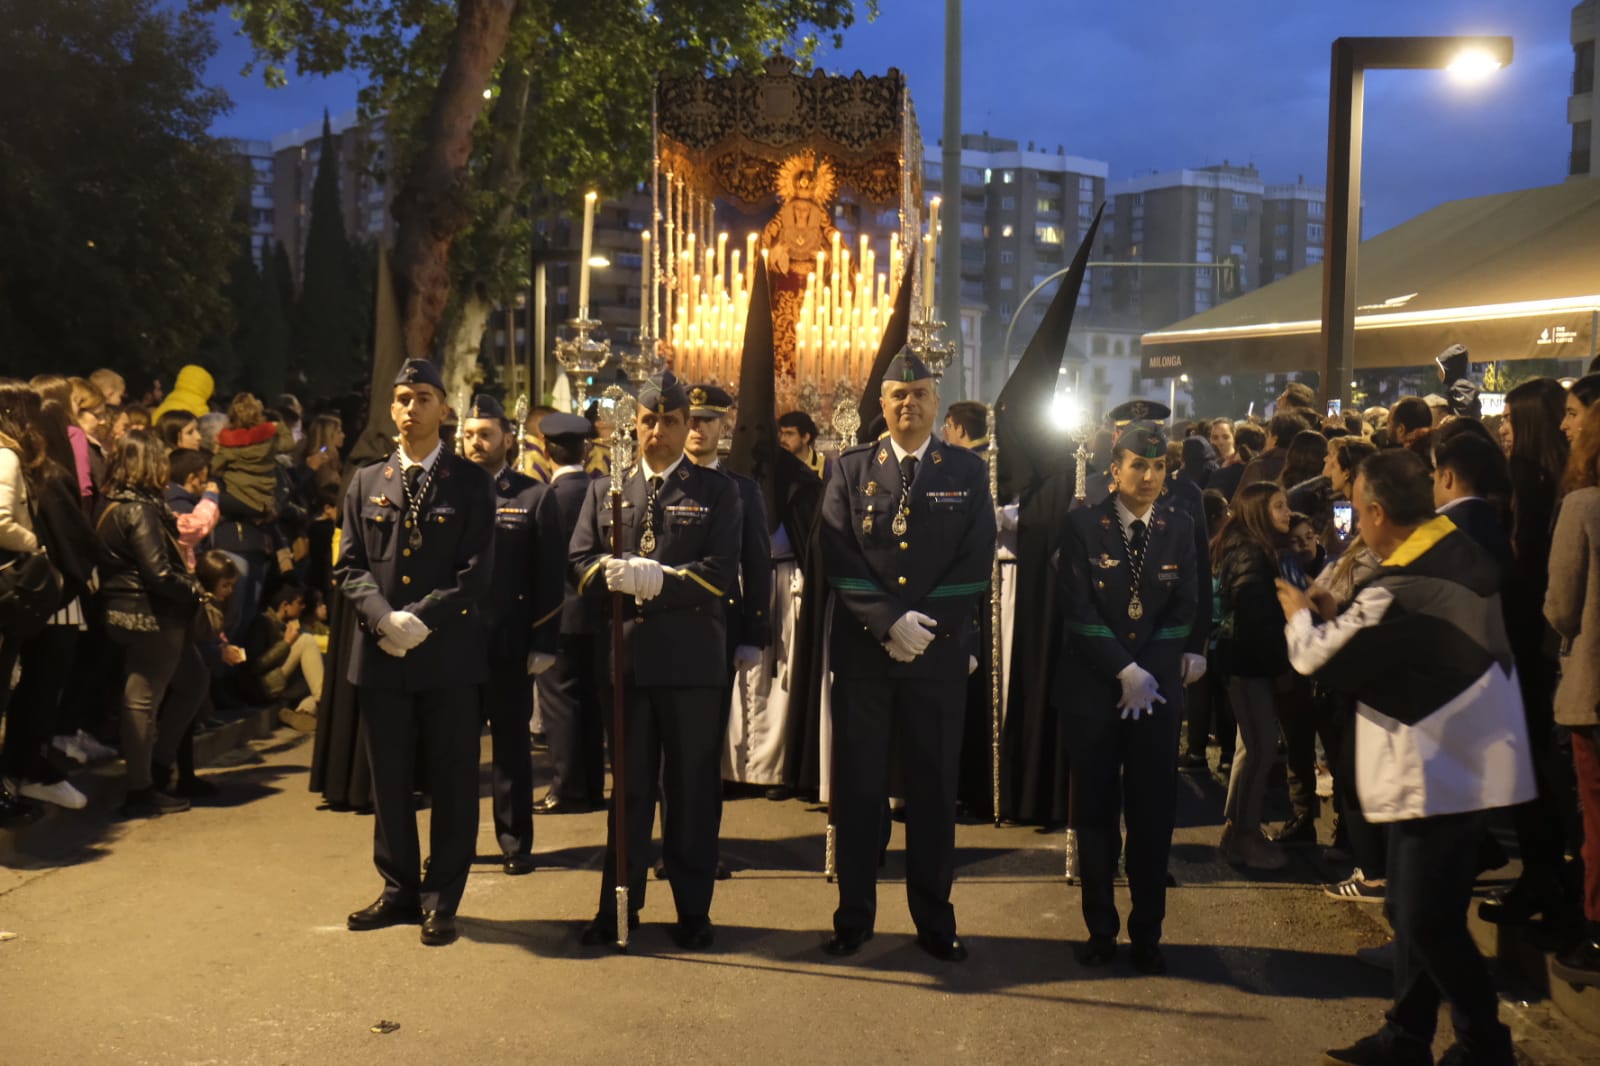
(581, 355)
(641, 364)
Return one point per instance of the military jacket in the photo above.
(445, 581)
(530, 555)
(679, 637)
(939, 566)
(1096, 588)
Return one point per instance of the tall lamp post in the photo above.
(1468, 57)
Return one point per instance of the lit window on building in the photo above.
(1045, 233)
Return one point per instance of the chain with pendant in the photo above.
(414, 509)
(647, 539)
(1135, 570)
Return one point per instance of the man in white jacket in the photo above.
(1440, 739)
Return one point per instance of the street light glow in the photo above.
(599, 262)
(1064, 413)
(1473, 65)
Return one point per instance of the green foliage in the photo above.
(115, 202)
(584, 70)
(330, 318)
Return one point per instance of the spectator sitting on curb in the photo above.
(287, 663)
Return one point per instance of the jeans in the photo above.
(164, 687)
(1254, 708)
(1432, 865)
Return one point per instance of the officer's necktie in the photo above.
(413, 481)
(908, 474)
(1136, 530)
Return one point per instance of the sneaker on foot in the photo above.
(1357, 889)
(69, 746)
(91, 746)
(298, 719)
(1387, 1047)
(150, 802)
(61, 793)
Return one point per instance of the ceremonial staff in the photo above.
(623, 420)
(995, 613)
(1080, 493)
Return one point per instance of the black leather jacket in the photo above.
(144, 583)
(1253, 643)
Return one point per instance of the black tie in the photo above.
(413, 481)
(908, 474)
(1136, 540)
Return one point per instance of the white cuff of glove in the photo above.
(1194, 667)
(389, 647)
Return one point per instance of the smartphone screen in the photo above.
(1344, 517)
(1334, 407)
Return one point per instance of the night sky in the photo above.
(1158, 86)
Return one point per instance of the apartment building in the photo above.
(1583, 111)
(1291, 230)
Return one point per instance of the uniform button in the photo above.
(405, 579)
(1099, 584)
(901, 580)
(904, 546)
(405, 551)
(520, 596)
(1132, 637)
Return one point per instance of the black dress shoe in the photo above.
(693, 934)
(438, 929)
(603, 930)
(1193, 764)
(382, 914)
(1097, 951)
(1530, 897)
(946, 947)
(1147, 958)
(195, 788)
(518, 864)
(847, 942)
(779, 793)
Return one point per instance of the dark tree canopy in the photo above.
(330, 319)
(115, 202)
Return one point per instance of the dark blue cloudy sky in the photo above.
(1160, 85)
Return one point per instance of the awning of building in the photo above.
(1511, 276)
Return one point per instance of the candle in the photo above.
(589, 199)
(644, 284)
(927, 275)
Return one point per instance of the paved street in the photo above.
(217, 936)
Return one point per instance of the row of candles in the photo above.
(842, 317)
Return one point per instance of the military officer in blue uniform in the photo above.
(523, 617)
(749, 603)
(908, 535)
(1129, 597)
(681, 531)
(569, 692)
(415, 560)
(1179, 494)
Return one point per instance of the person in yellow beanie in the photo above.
(191, 392)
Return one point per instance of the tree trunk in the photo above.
(462, 344)
(432, 206)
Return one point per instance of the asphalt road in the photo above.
(217, 936)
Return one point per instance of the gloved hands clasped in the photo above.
(910, 636)
(1140, 693)
(400, 631)
(635, 576)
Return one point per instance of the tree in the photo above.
(571, 83)
(330, 318)
(262, 342)
(115, 202)
(282, 279)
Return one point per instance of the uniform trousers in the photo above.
(673, 742)
(439, 729)
(508, 706)
(569, 706)
(923, 719)
(1432, 865)
(1128, 768)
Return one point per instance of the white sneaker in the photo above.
(69, 746)
(62, 794)
(96, 751)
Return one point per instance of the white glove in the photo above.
(972, 665)
(1193, 668)
(746, 655)
(636, 577)
(391, 648)
(403, 629)
(911, 634)
(1140, 693)
(1007, 516)
(539, 662)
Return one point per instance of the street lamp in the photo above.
(1172, 397)
(1467, 58)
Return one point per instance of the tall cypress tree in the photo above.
(329, 316)
(282, 278)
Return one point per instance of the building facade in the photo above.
(364, 195)
(1583, 112)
